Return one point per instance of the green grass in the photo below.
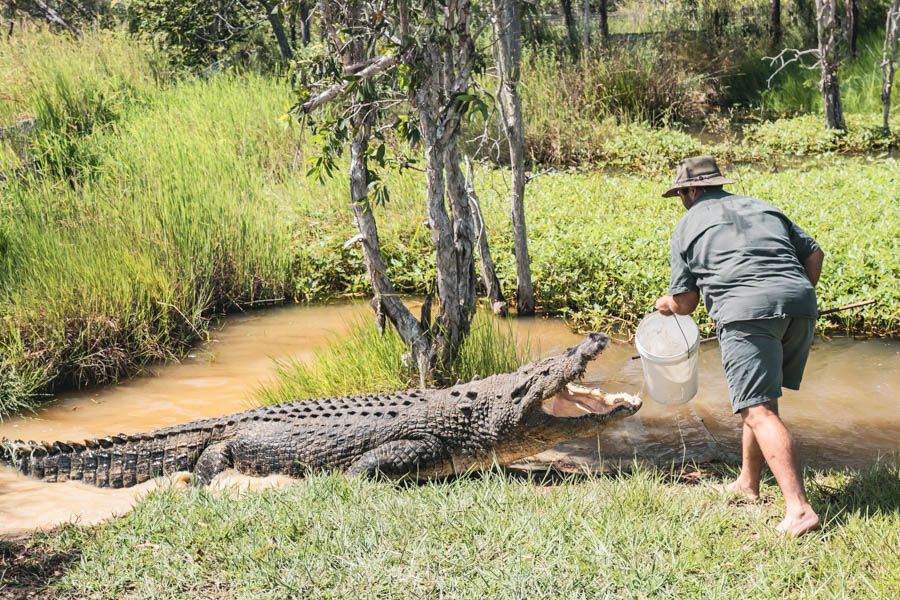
(125, 229)
(365, 361)
(645, 534)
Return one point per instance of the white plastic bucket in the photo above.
(669, 350)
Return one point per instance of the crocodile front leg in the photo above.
(418, 458)
(214, 459)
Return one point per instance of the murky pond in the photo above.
(847, 414)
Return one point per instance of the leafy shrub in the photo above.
(197, 33)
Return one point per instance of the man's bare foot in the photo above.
(749, 493)
(797, 524)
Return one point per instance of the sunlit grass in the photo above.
(647, 533)
(366, 361)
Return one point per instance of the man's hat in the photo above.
(699, 171)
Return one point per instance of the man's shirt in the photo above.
(745, 256)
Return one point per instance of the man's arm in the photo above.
(679, 304)
(812, 264)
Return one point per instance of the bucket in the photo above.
(669, 350)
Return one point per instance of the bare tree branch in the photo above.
(381, 65)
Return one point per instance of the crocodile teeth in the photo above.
(582, 407)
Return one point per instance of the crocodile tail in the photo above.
(115, 461)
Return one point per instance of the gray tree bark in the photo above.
(304, 22)
(828, 60)
(385, 300)
(488, 272)
(508, 49)
(444, 59)
(446, 63)
(888, 58)
(53, 17)
(273, 14)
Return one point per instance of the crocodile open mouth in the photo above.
(577, 401)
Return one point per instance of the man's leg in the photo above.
(752, 460)
(777, 447)
(747, 482)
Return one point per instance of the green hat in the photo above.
(699, 171)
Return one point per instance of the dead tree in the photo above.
(53, 17)
(888, 58)
(828, 62)
(508, 53)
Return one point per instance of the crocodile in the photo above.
(419, 434)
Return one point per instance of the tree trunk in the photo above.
(446, 60)
(604, 23)
(585, 26)
(888, 57)
(488, 273)
(508, 31)
(385, 301)
(273, 14)
(571, 31)
(828, 59)
(775, 24)
(851, 18)
(304, 22)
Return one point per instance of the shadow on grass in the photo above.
(27, 568)
(867, 492)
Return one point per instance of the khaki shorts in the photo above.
(762, 356)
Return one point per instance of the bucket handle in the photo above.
(687, 346)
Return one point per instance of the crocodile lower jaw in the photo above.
(579, 401)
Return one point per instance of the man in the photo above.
(757, 271)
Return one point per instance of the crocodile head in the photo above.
(545, 403)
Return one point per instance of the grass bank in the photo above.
(140, 205)
(650, 533)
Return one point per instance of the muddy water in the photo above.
(848, 413)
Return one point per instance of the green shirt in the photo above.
(745, 256)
